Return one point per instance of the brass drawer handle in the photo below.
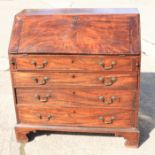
(40, 67)
(112, 80)
(113, 63)
(42, 99)
(42, 82)
(49, 117)
(107, 121)
(112, 99)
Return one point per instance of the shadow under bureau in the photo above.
(76, 70)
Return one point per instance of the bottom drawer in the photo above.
(88, 117)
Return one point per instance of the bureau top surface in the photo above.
(32, 12)
(76, 31)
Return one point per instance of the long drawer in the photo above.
(70, 97)
(90, 117)
(42, 79)
(75, 63)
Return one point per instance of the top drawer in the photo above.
(74, 63)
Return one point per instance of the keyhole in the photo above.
(73, 76)
(74, 20)
(74, 112)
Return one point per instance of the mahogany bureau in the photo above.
(76, 70)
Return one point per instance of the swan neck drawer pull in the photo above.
(112, 99)
(109, 82)
(44, 63)
(107, 120)
(113, 63)
(42, 82)
(49, 117)
(42, 99)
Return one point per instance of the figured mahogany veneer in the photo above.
(77, 97)
(76, 34)
(87, 63)
(120, 81)
(88, 117)
(76, 70)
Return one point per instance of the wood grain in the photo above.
(75, 116)
(131, 135)
(123, 81)
(78, 97)
(15, 36)
(81, 33)
(75, 63)
(76, 70)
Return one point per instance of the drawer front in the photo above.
(90, 117)
(119, 81)
(76, 63)
(70, 97)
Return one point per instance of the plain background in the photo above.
(67, 144)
